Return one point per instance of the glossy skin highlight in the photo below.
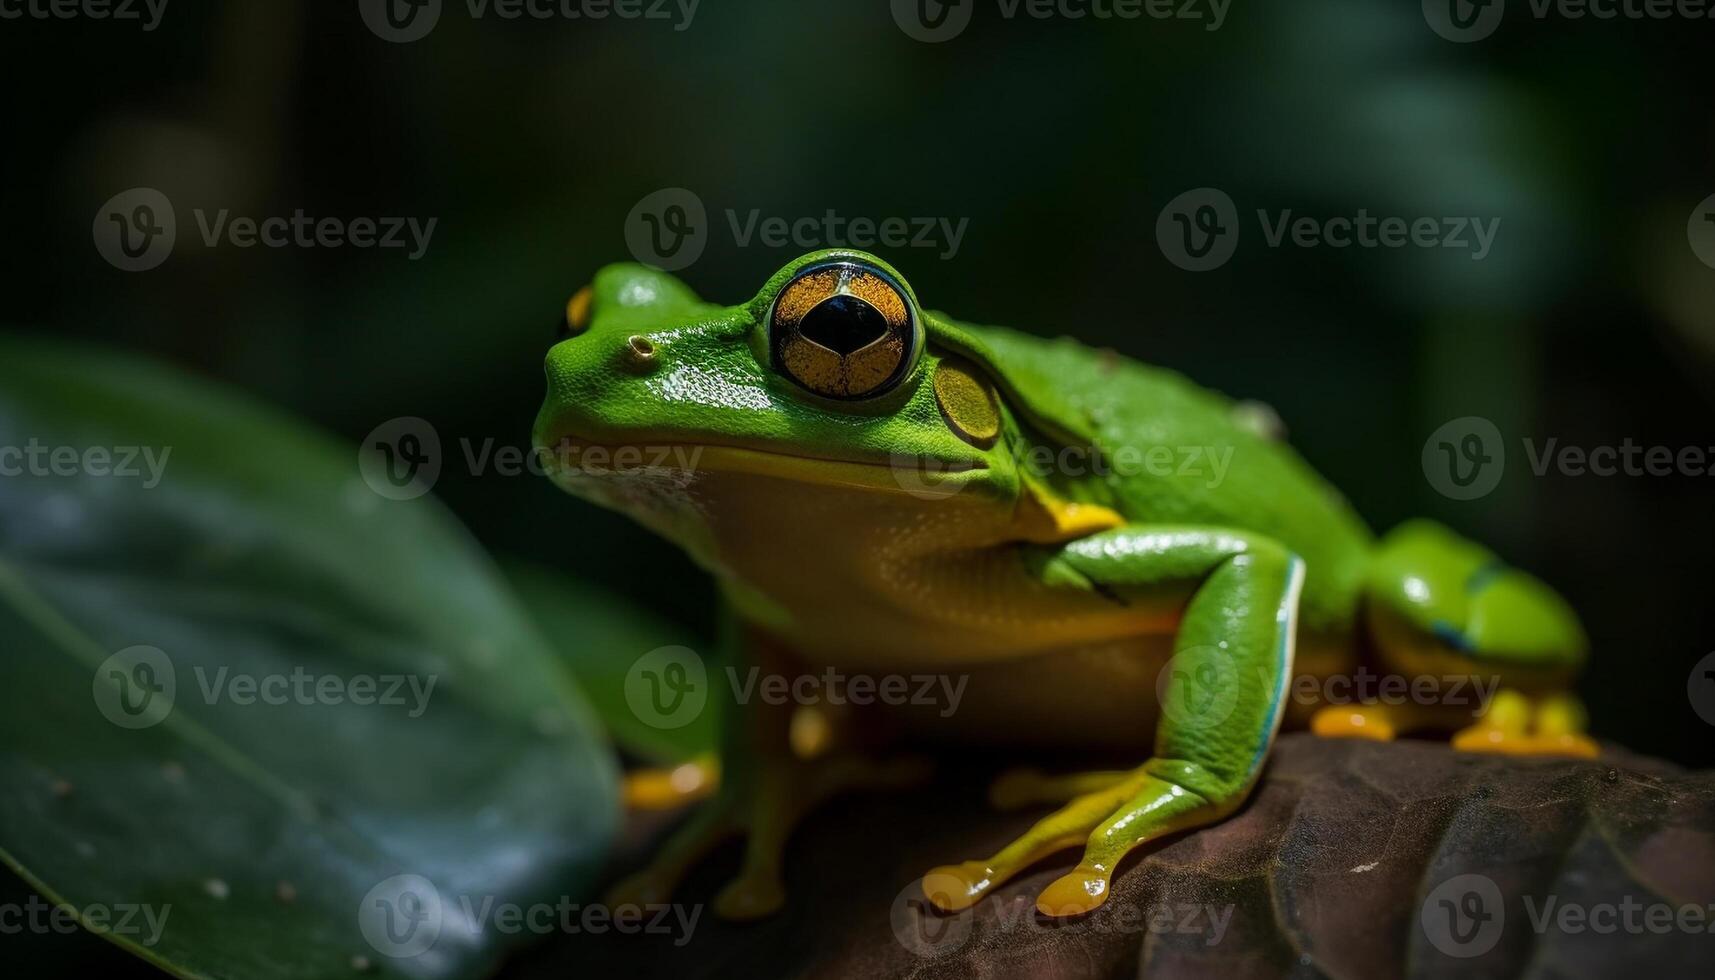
(1062, 527)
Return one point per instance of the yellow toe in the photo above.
(1570, 744)
(1082, 891)
(750, 897)
(1343, 722)
(956, 887)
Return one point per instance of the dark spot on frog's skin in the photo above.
(1483, 577)
(1453, 636)
(1106, 591)
(1107, 360)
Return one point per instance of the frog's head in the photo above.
(829, 381)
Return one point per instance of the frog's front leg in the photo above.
(1236, 599)
(770, 775)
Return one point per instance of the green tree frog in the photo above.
(1109, 557)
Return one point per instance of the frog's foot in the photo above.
(1141, 805)
(1513, 726)
(667, 789)
(1381, 722)
(782, 793)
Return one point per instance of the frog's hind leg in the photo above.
(1226, 687)
(1441, 607)
(1019, 788)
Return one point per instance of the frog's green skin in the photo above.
(872, 535)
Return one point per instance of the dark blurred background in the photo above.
(530, 141)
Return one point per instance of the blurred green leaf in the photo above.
(264, 828)
(601, 647)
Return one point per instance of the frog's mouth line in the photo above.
(572, 458)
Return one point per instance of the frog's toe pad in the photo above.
(1081, 891)
(1352, 721)
(1497, 741)
(750, 896)
(956, 887)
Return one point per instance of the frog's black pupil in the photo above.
(844, 324)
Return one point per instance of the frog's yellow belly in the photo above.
(1093, 696)
(864, 578)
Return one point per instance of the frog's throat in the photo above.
(573, 459)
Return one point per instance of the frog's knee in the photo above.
(1436, 600)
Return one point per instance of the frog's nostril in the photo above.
(639, 353)
(844, 324)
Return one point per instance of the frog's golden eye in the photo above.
(843, 330)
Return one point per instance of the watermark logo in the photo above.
(1199, 229)
(667, 687)
(400, 21)
(668, 229)
(1700, 688)
(1198, 687)
(35, 458)
(925, 930)
(135, 230)
(400, 459)
(1700, 230)
(1464, 915)
(929, 933)
(144, 924)
(925, 477)
(136, 687)
(1464, 458)
(1464, 21)
(404, 21)
(146, 12)
(401, 916)
(933, 21)
(931, 478)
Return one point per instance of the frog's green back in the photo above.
(1177, 454)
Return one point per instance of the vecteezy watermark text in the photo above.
(405, 915)
(137, 229)
(138, 686)
(668, 687)
(34, 458)
(146, 12)
(1464, 21)
(1200, 230)
(401, 459)
(33, 915)
(404, 21)
(1465, 458)
(930, 933)
(669, 229)
(934, 21)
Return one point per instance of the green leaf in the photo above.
(601, 649)
(264, 824)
